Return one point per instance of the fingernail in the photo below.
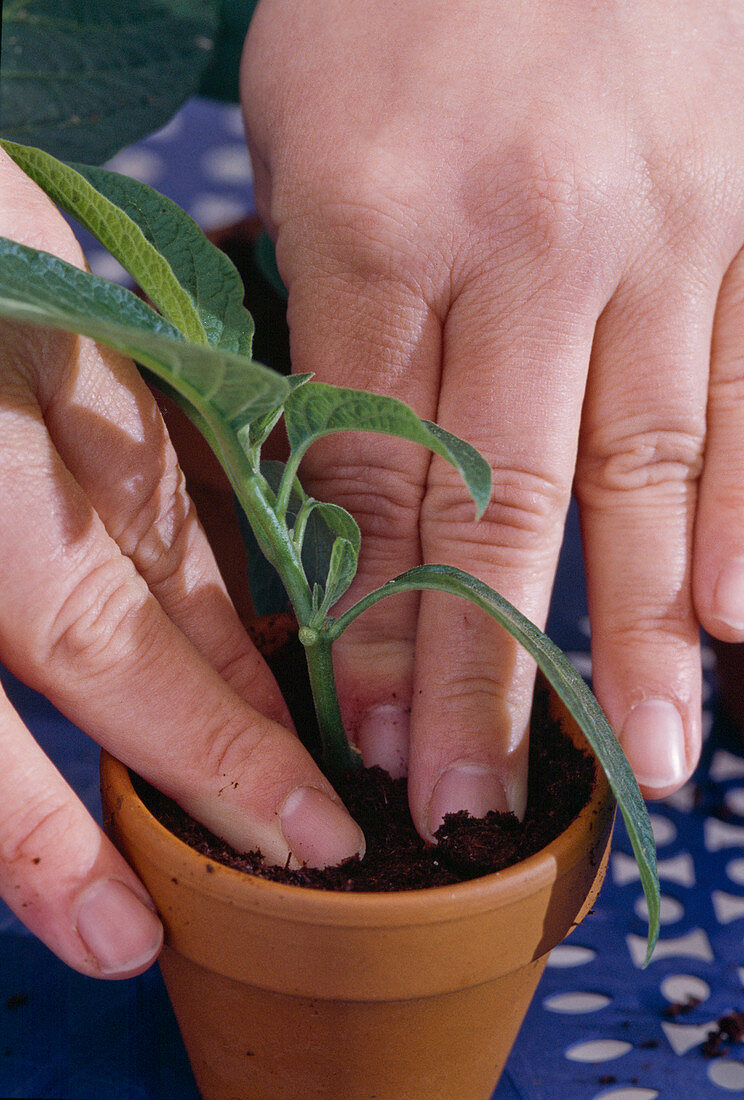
(382, 738)
(118, 929)
(728, 601)
(653, 737)
(466, 785)
(319, 832)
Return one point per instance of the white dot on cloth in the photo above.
(232, 120)
(684, 1037)
(735, 870)
(727, 907)
(707, 658)
(727, 1074)
(582, 662)
(695, 944)
(681, 988)
(570, 954)
(143, 164)
(631, 1092)
(670, 910)
(664, 830)
(578, 1003)
(598, 1050)
(734, 800)
(679, 869)
(171, 129)
(726, 765)
(683, 799)
(719, 834)
(228, 164)
(104, 265)
(213, 211)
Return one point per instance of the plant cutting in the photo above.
(195, 341)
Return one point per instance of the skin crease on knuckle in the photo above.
(89, 631)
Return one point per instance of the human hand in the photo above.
(112, 606)
(526, 220)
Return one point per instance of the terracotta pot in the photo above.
(282, 991)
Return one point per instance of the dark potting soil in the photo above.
(560, 781)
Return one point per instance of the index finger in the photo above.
(513, 385)
(78, 623)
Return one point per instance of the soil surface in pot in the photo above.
(560, 782)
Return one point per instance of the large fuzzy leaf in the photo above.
(570, 687)
(191, 282)
(317, 409)
(227, 390)
(84, 78)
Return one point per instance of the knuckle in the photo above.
(161, 525)
(228, 752)
(384, 501)
(365, 222)
(525, 514)
(549, 201)
(629, 462)
(33, 828)
(90, 630)
(650, 626)
(689, 196)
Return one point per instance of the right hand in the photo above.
(111, 605)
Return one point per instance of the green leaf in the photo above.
(189, 280)
(570, 687)
(326, 524)
(227, 390)
(318, 409)
(342, 568)
(260, 430)
(84, 78)
(330, 550)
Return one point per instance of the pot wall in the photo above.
(354, 996)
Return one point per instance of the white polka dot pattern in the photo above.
(598, 1050)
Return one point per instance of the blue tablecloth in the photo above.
(597, 1027)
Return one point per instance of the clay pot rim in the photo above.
(425, 906)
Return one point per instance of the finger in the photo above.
(58, 872)
(78, 623)
(719, 532)
(109, 433)
(107, 429)
(513, 384)
(357, 319)
(641, 456)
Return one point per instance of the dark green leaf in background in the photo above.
(84, 78)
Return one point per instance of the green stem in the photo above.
(277, 544)
(291, 470)
(298, 531)
(338, 755)
(279, 547)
